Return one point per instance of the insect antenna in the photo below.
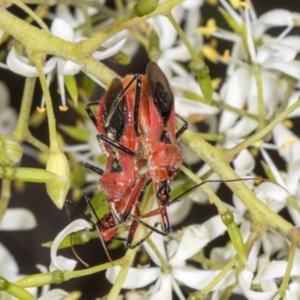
(70, 236)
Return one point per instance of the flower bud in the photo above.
(10, 151)
(235, 236)
(145, 7)
(57, 189)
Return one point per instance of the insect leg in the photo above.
(90, 113)
(101, 137)
(94, 169)
(183, 128)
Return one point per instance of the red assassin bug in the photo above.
(150, 109)
(159, 137)
(121, 179)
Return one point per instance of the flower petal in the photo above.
(20, 64)
(244, 163)
(62, 29)
(198, 279)
(67, 67)
(56, 294)
(77, 225)
(234, 93)
(165, 291)
(193, 239)
(158, 240)
(245, 279)
(136, 278)
(7, 263)
(100, 55)
(291, 68)
(18, 219)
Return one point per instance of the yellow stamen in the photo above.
(295, 22)
(208, 29)
(257, 181)
(288, 123)
(212, 2)
(216, 83)
(226, 56)
(210, 53)
(290, 140)
(196, 118)
(41, 109)
(282, 150)
(259, 143)
(246, 5)
(63, 108)
(235, 3)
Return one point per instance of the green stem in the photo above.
(260, 98)
(31, 13)
(231, 153)
(37, 143)
(286, 279)
(207, 262)
(290, 88)
(164, 263)
(37, 59)
(93, 270)
(186, 42)
(5, 197)
(21, 131)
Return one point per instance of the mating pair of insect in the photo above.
(137, 131)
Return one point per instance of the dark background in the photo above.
(26, 245)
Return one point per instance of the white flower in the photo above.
(194, 238)
(289, 181)
(267, 277)
(274, 57)
(60, 262)
(288, 143)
